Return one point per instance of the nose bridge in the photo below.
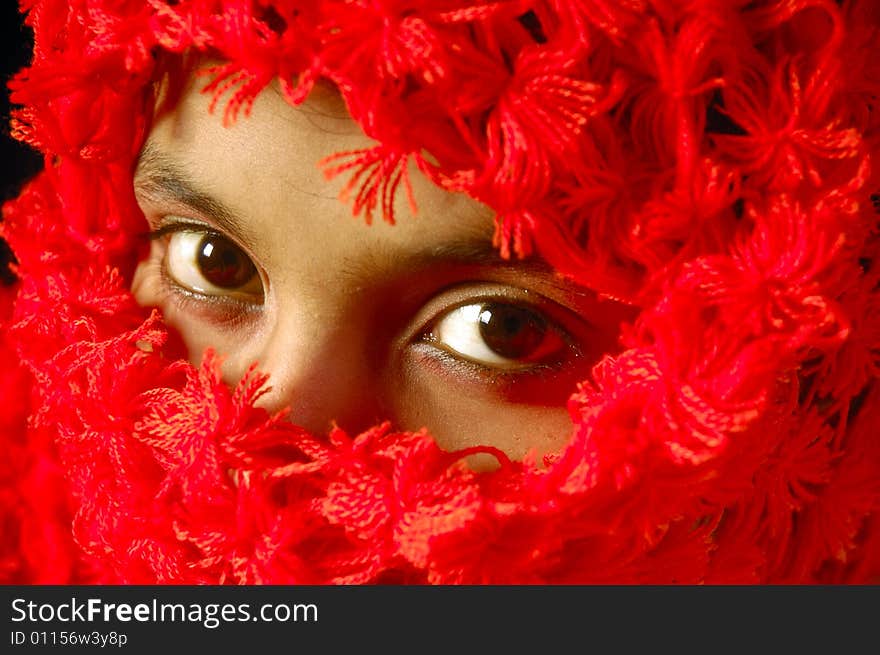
(317, 367)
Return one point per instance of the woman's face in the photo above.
(420, 323)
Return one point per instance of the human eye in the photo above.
(204, 263)
(499, 334)
(494, 357)
(503, 336)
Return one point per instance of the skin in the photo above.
(348, 318)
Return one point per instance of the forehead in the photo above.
(265, 169)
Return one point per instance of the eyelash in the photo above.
(500, 376)
(223, 310)
(231, 313)
(448, 358)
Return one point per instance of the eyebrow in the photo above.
(474, 251)
(158, 174)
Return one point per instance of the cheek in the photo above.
(462, 416)
(195, 334)
(143, 286)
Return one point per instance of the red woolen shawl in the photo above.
(708, 161)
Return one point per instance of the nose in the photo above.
(323, 371)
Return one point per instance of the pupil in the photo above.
(510, 331)
(223, 264)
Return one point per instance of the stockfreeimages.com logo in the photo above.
(210, 615)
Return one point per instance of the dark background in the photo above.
(17, 161)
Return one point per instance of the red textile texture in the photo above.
(710, 162)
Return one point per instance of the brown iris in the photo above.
(223, 264)
(512, 332)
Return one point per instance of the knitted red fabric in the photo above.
(710, 162)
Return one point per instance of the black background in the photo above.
(18, 162)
